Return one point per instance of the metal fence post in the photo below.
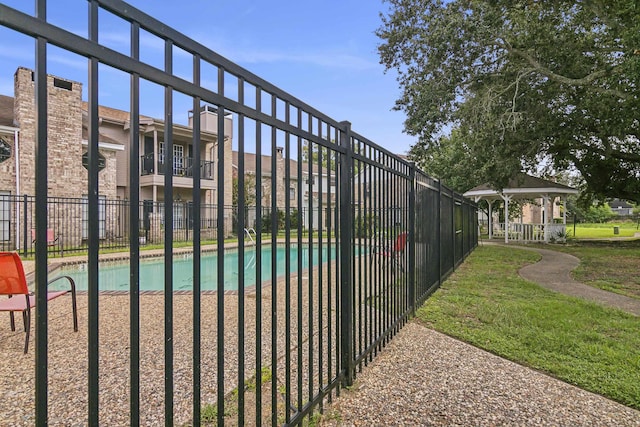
(412, 238)
(25, 245)
(453, 231)
(439, 234)
(346, 286)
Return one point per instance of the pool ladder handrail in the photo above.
(247, 231)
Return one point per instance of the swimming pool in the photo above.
(114, 276)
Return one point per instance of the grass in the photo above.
(209, 411)
(612, 266)
(602, 231)
(487, 304)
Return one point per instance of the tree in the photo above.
(249, 190)
(324, 156)
(523, 83)
(446, 159)
(319, 155)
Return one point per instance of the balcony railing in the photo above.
(184, 168)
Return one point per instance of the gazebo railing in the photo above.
(530, 232)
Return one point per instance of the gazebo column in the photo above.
(545, 215)
(489, 202)
(522, 235)
(506, 217)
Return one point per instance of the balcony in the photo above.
(183, 168)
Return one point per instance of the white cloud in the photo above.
(326, 59)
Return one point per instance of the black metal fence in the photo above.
(357, 257)
(68, 223)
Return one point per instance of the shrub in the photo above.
(364, 225)
(266, 221)
(600, 213)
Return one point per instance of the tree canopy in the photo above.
(495, 87)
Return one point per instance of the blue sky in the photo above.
(323, 52)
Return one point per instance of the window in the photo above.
(102, 161)
(178, 159)
(62, 84)
(180, 214)
(5, 150)
(292, 193)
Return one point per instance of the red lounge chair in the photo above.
(396, 253)
(14, 284)
(51, 238)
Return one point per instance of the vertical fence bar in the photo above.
(168, 239)
(241, 254)
(320, 275)
(287, 315)
(301, 219)
(220, 259)
(412, 238)
(439, 238)
(357, 214)
(41, 323)
(453, 231)
(25, 223)
(346, 286)
(366, 226)
(337, 273)
(94, 237)
(310, 259)
(134, 241)
(275, 152)
(259, 225)
(197, 239)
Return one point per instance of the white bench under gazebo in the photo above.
(529, 188)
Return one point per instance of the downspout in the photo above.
(17, 150)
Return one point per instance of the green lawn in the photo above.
(487, 304)
(602, 231)
(612, 266)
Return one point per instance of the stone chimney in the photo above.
(66, 176)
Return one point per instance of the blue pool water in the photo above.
(114, 276)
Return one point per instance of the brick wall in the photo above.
(66, 175)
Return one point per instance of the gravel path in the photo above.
(425, 378)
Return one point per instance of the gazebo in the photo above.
(526, 187)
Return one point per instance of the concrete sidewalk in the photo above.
(553, 272)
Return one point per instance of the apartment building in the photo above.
(318, 187)
(67, 135)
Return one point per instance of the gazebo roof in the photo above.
(522, 186)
